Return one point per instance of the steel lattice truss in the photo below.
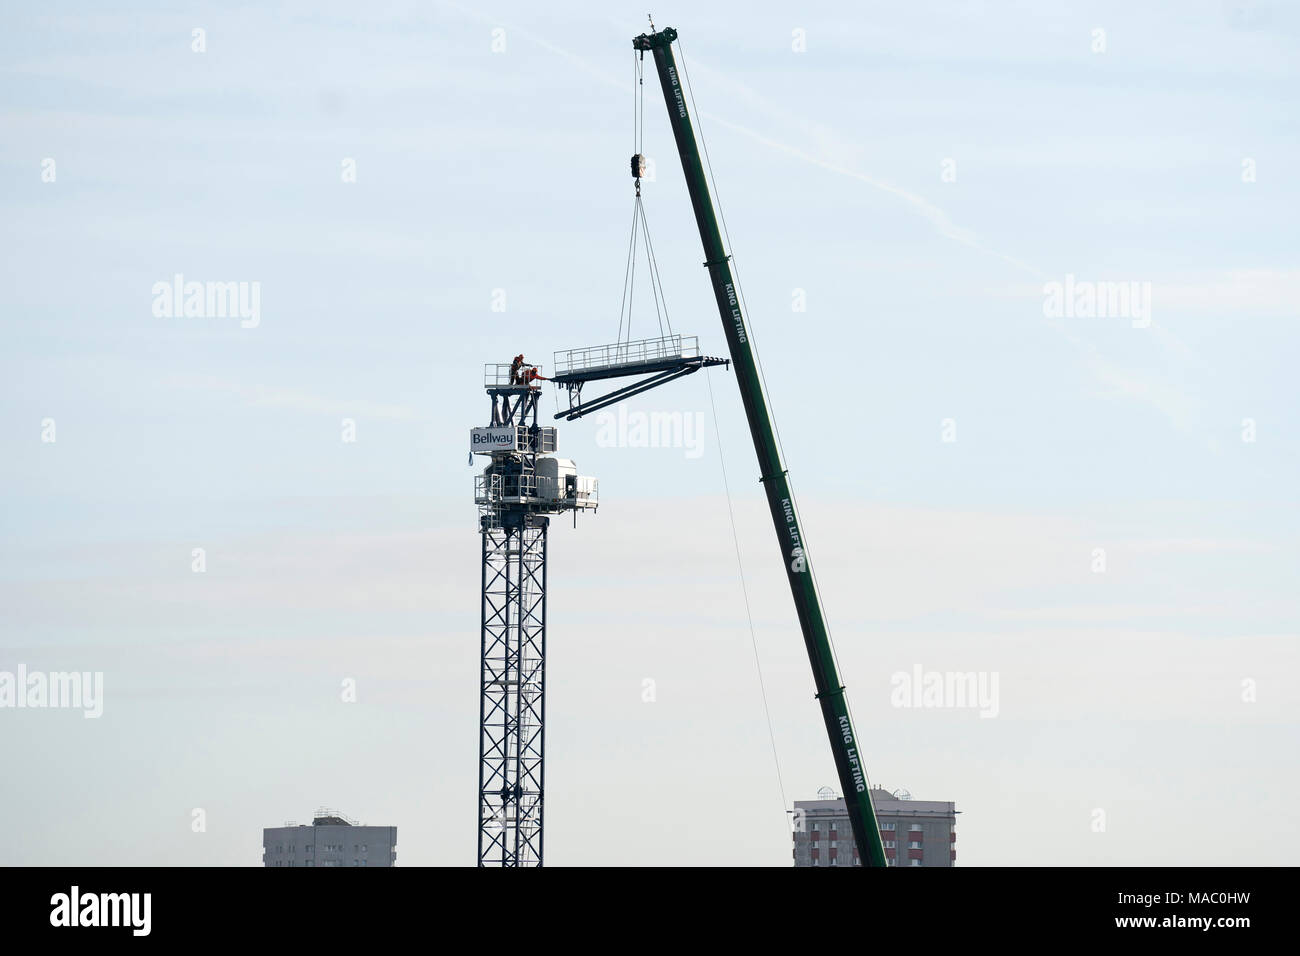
(512, 705)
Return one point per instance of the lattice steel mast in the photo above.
(516, 493)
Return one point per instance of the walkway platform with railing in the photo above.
(661, 360)
(625, 358)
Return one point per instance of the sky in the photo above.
(1099, 512)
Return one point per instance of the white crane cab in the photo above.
(558, 481)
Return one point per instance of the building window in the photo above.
(914, 863)
(915, 827)
(914, 845)
(888, 826)
(890, 844)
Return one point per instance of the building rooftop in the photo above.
(885, 802)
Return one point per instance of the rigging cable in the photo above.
(655, 279)
(629, 283)
(640, 224)
(744, 590)
(629, 277)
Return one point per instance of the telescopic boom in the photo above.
(830, 693)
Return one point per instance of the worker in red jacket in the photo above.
(532, 375)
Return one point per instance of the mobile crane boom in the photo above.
(830, 693)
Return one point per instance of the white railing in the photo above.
(588, 492)
(544, 494)
(625, 353)
(493, 488)
(496, 375)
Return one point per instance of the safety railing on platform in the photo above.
(586, 492)
(496, 375)
(639, 352)
(494, 488)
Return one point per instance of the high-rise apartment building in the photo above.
(915, 832)
(331, 840)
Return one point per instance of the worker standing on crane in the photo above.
(515, 366)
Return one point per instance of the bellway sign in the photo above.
(484, 441)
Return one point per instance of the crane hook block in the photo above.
(638, 166)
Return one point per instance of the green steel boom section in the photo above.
(830, 693)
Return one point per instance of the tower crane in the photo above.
(521, 487)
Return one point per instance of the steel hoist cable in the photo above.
(744, 590)
(640, 225)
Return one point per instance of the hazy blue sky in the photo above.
(1167, 158)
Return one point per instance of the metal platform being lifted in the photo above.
(661, 359)
(624, 358)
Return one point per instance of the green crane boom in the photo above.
(830, 693)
